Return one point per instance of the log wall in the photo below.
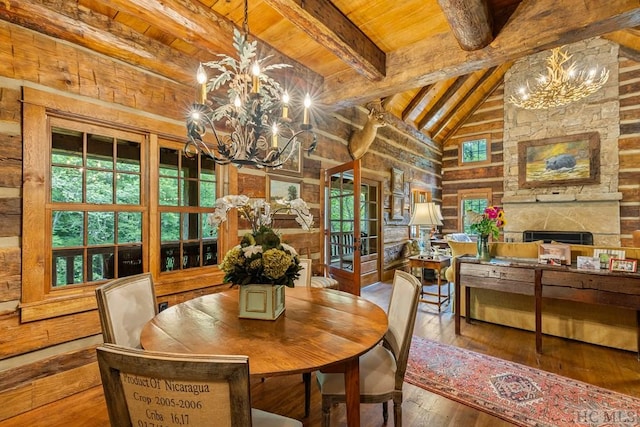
(45, 360)
(489, 119)
(629, 149)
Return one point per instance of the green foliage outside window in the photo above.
(475, 205)
(474, 151)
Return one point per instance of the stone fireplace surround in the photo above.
(594, 208)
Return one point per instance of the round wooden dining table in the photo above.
(320, 329)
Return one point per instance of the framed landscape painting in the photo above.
(564, 160)
(283, 188)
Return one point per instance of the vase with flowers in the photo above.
(486, 224)
(261, 265)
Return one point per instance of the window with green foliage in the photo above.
(99, 205)
(95, 209)
(475, 151)
(473, 200)
(187, 188)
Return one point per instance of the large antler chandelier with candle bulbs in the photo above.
(257, 120)
(560, 85)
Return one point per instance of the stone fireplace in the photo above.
(589, 207)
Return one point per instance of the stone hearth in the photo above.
(594, 207)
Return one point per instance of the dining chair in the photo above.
(324, 280)
(168, 389)
(125, 305)
(305, 273)
(383, 367)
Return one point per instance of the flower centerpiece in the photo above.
(486, 224)
(261, 258)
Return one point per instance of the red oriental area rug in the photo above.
(516, 393)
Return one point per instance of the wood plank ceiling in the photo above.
(430, 62)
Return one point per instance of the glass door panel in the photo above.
(342, 186)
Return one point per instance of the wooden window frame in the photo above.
(38, 300)
(461, 161)
(476, 193)
(142, 207)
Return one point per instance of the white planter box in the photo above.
(265, 302)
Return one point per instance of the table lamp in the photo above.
(426, 215)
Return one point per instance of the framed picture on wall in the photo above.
(397, 206)
(563, 160)
(283, 188)
(397, 181)
(293, 165)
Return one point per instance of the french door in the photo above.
(342, 225)
(352, 224)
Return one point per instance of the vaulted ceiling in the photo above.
(429, 62)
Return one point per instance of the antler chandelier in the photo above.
(260, 129)
(561, 85)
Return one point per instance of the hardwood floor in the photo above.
(613, 369)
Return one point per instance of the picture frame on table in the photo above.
(588, 262)
(283, 188)
(563, 160)
(623, 265)
(554, 254)
(606, 254)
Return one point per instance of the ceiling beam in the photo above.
(470, 22)
(629, 42)
(433, 111)
(477, 86)
(536, 25)
(415, 102)
(326, 24)
(199, 26)
(492, 83)
(65, 21)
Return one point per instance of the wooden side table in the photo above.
(436, 264)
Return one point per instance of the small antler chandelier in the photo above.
(260, 128)
(561, 85)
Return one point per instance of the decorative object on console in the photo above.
(425, 215)
(588, 262)
(554, 254)
(563, 160)
(606, 254)
(561, 85)
(261, 259)
(257, 112)
(624, 265)
(486, 224)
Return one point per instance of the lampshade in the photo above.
(426, 214)
(440, 217)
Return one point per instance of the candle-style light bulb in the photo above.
(201, 77)
(307, 104)
(237, 103)
(285, 105)
(274, 135)
(255, 70)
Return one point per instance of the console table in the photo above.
(601, 287)
(436, 264)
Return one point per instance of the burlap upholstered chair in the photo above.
(197, 390)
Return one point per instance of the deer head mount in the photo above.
(361, 140)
